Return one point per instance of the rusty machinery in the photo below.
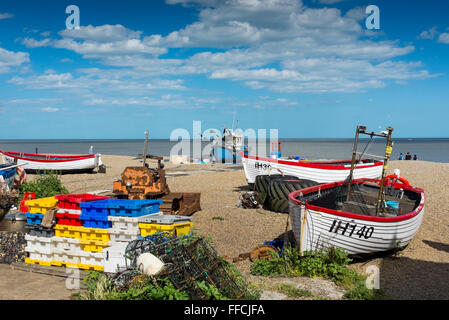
(143, 182)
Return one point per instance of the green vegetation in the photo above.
(44, 185)
(218, 218)
(143, 287)
(329, 264)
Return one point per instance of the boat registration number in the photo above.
(258, 165)
(351, 229)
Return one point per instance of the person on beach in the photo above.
(401, 156)
(408, 156)
(415, 157)
(91, 150)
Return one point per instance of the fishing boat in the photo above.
(323, 216)
(360, 216)
(319, 171)
(61, 163)
(7, 173)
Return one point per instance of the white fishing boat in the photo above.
(324, 216)
(62, 163)
(319, 171)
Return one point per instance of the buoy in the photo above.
(149, 264)
(396, 178)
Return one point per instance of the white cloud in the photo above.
(49, 109)
(10, 60)
(428, 34)
(280, 45)
(444, 38)
(6, 15)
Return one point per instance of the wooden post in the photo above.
(145, 148)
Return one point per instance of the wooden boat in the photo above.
(322, 216)
(62, 163)
(319, 171)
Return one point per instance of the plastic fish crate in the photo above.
(39, 231)
(69, 211)
(41, 205)
(168, 219)
(99, 220)
(124, 207)
(180, 229)
(72, 201)
(34, 218)
(67, 231)
(93, 245)
(123, 236)
(69, 219)
(91, 258)
(90, 267)
(94, 234)
(66, 244)
(114, 257)
(127, 223)
(40, 256)
(36, 261)
(38, 244)
(72, 257)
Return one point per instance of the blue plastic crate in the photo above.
(121, 207)
(34, 218)
(278, 244)
(99, 224)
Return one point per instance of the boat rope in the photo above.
(367, 146)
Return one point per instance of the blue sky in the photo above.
(310, 69)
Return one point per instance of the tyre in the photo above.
(279, 190)
(262, 183)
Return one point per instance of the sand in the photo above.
(421, 271)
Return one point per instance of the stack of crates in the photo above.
(92, 232)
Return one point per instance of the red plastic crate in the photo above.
(26, 196)
(72, 201)
(68, 219)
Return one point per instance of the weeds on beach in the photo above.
(329, 264)
(46, 184)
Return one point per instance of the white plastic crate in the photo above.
(38, 244)
(127, 223)
(114, 257)
(65, 256)
(69, 211)
(92, 258)
(165, 219)
(66, 244)
(41, 256)
(32, 249)
(123, 236)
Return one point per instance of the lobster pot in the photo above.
(66, 244)
(38, 244)
(114, 257)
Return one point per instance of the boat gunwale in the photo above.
(314, 164)
(71, 158)
(419, 209)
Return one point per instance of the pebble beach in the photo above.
(420, 271)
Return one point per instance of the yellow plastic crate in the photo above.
(178, 229)
(67, 231)
(41, 205)
(42, 263)
(96, 234)
(93, 245)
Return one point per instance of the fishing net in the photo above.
(12, 247)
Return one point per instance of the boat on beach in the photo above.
(44, 162)
(8, 172)
(319, 171)
(324, 216)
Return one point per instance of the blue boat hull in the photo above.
(8, 176)
(226, 155)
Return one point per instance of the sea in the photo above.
(428, 149)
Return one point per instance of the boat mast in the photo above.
(360, 129)
(145, 148)
(388, 149)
